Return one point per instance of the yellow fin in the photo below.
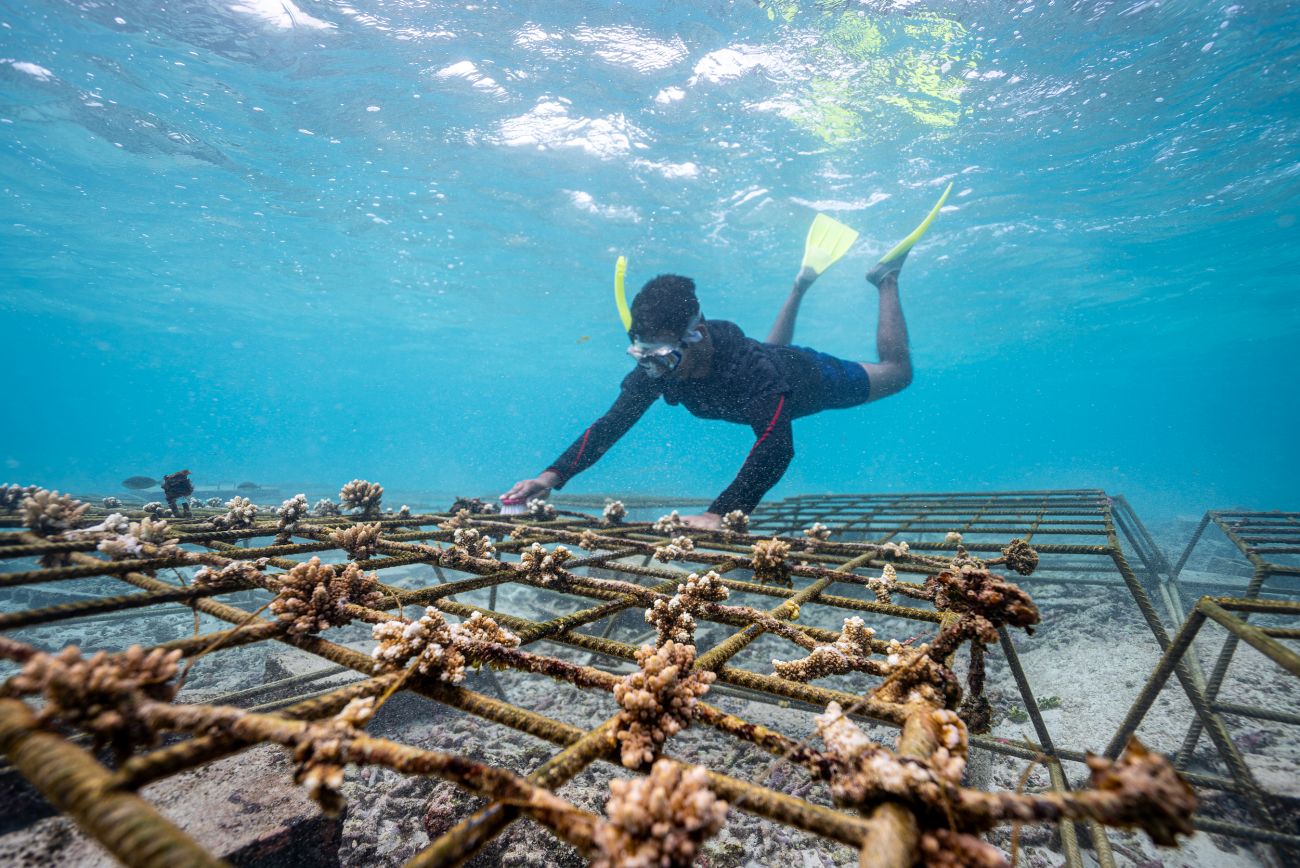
(828, 240)
(902, 247)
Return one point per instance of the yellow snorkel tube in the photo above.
(620, 294)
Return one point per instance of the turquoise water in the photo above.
(303, 243)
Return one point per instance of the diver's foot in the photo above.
(886, 271)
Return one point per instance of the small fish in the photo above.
(248, 486)
(139, 483)
(584, 339)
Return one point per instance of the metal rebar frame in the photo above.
(1092, 522)
(1231, 613)
(1095, 523)
(71, 777)
(1261, 538)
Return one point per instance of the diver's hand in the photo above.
(703, 521)
(527, 489)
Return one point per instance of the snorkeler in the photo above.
(712, 368)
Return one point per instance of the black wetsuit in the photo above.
(760, 385)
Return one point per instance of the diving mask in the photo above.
(658, 358)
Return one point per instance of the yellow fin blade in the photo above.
(902, 247)
(828, 240)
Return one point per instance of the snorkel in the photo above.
(620, 294)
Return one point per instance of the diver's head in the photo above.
(666, 324)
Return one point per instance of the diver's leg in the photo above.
(783, 329)
(893, 372)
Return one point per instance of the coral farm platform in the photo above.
(945, 679)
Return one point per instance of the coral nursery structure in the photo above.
(308, 581)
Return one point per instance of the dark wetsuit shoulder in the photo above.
(742, 369)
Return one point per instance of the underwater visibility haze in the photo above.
(305, 242)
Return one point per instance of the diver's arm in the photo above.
(527, 489)
(767, 461)
(636, 397)
(783, 329)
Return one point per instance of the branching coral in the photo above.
(944, 848)
(615, 512)
(673, 619)
(147, 538)
(660, 820)
(735, 522)
(474, 506)
(817, 531)
(952, 537)
(319, 751)
(523, 533)
(428, 638)
(290, 513)
(814, 534)
(964, 561)
(883, 586)
(212, 502)
(1142, 789)
(670, 523)
(1021, 557)
(154, 508)
(540, 510)
(707, 588)
(233, 575)
(894, 550)
(313, 596)
(113, 523)
(111, 503)
(459, 518)
(176, 488)
(863, 771)
(47, 513)
(100, 694)
(985, 602)
(324, 507)
(850, 652)
(678, 549)
(240, 513)
(439, 648)
(473, 544)
(480, 628)
(769, 563)
(12, 496)
(360, 541)
(543, 566)
(362, 496)
(657, 700)
(588, 540)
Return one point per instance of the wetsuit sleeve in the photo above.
(767, 460)
(637, 394)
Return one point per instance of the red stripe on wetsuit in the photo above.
(582, 448)
(780, 405)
